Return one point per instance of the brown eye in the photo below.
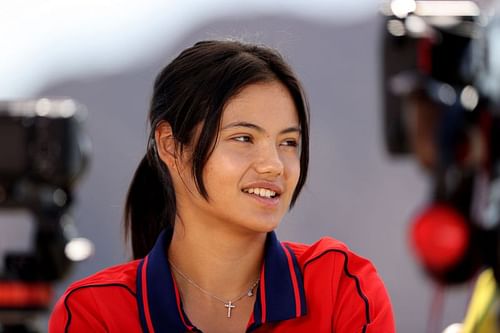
(243, 138)
(290, 143)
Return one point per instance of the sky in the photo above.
(53, 40)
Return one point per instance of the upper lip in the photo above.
(277, 188)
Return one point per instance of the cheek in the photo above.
(292, 169)
(224, 169)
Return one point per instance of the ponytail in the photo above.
(149, 208)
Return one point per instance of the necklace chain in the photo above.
(228, 304)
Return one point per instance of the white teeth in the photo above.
(263, 192)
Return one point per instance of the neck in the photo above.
(221, 261)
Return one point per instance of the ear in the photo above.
(166, 144)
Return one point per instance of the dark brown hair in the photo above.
(193, 89)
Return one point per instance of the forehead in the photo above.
(268, 103)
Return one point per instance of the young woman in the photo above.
(227, 157)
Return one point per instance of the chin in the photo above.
(257, 223)
(265, 227)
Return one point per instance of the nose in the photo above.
(269, 161)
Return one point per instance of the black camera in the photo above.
(43, 153)
(42, 145)
(441, 89)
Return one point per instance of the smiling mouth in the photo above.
(261, 192)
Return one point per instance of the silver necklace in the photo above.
(228, 304)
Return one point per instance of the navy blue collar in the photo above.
(280, 295)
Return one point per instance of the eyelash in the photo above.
(291, 143)
(247, 138)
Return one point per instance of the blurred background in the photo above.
(105, 54)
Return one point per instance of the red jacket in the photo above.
(322, 287)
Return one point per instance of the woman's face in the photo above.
(254, 168)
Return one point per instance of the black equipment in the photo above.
(43, 153)
(441, 77)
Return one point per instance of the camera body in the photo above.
(441, 106)
(42, 150)
(43, 153)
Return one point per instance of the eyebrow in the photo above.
(260, 129)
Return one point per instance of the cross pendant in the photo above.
(229, 307)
